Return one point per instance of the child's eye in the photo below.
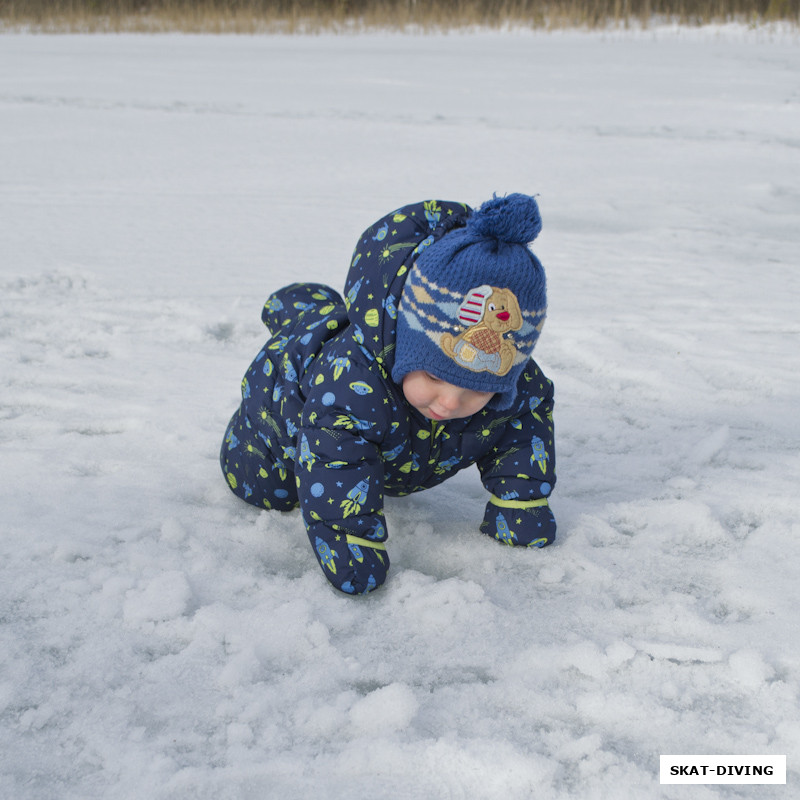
(433, 378)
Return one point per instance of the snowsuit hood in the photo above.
(384, 254)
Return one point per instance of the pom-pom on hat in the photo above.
(475, 301)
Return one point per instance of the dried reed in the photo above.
(292, 16)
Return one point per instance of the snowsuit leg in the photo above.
(258, 451)
(252, 473)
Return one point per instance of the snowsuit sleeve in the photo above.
(340, 473)
(519, 470)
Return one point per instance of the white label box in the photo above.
(723, 769)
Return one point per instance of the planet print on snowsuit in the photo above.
(323, 426)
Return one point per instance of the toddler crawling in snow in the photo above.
(423, 369)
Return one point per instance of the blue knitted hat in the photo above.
(475, 301)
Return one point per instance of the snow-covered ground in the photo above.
(161, 639)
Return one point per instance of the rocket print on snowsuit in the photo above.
(323, 427)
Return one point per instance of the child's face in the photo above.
(437, 399)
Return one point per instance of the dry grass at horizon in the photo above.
(315, 16)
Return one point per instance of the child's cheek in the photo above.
(415, 399)
(411, 392)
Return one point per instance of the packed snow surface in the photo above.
(162, 639)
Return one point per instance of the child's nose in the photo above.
(451, 400)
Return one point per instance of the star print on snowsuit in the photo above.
(323, 426)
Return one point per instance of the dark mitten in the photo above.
(519, 523)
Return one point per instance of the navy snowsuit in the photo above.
(322, 424)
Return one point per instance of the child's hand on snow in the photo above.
(519, 523)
